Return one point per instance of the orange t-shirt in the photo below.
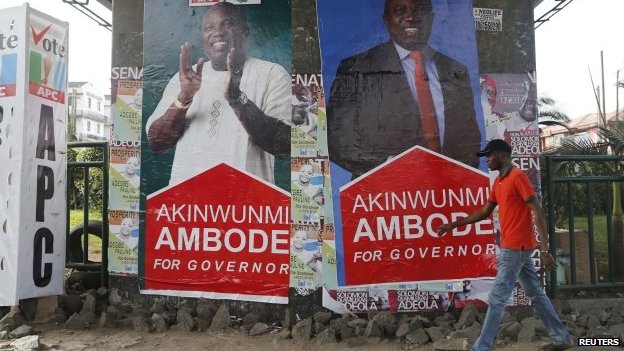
(511, 193)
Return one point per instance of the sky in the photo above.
(89, 44)
(569, 45)
(566, 47)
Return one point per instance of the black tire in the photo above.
(75, 253)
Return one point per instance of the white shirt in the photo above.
(215, 135)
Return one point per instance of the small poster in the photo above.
(126, 109)
(509, 103)
(123, 239)
(309, 138)
(391, 298)
(124, 178)
(488, 19)
(308, 188)
(305, 256)
(476, 292)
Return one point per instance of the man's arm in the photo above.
(477, 216)
(164, 131)
(270, 133)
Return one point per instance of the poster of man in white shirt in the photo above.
(225, 106)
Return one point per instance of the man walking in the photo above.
(513, 192)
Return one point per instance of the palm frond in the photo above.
(581, 146)
(547, 108)
(614, 135)
(545, 101)
(554, 114)
(574, 146)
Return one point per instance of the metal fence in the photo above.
(80, 260)
(579, 194)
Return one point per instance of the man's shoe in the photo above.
(556, 347)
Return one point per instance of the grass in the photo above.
(95, 244)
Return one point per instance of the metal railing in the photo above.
(85, 167)
(583, 184)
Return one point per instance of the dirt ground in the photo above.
(59, 338)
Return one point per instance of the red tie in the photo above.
(428, 118)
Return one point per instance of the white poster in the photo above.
(33, 206)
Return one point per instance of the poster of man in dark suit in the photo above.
(403, 92)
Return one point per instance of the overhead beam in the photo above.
(560, 5)
(109, 3)
(83, 7)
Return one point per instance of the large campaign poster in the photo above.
(215, 150)
(400, 168)
(33, 110)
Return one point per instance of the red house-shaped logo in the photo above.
(390, 217)
(221, 234)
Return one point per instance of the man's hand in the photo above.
(190, 81)
(235, 63)
(444, 228)
(548, 262)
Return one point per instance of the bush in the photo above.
(77, 181)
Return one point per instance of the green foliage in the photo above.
(77, 181)
(90, 154)
(72, 155)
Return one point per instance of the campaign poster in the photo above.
(215, 151)
(124, 178)
(33, 111)
(388, 152)
(123, 238)
(390, 298)
(309, 138)
(476, 292)
(126, 105)
(510, 109)
(308, 188)
(305, 255)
